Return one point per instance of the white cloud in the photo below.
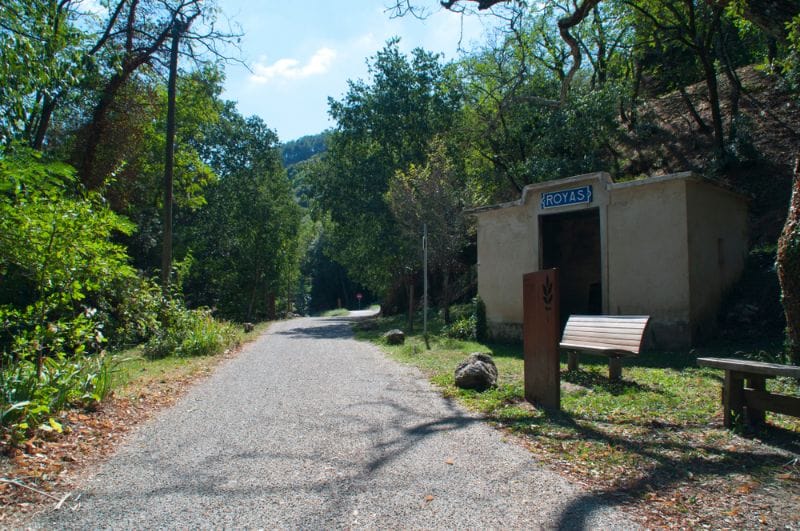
(94, 7)
(291, 69)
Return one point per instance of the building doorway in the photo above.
(571, 243)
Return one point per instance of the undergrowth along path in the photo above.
(308, 428)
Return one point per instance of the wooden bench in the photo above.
(744, 392)
(614, 336)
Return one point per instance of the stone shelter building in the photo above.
(667, 246)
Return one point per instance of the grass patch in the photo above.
(135, 373)
(657, 428)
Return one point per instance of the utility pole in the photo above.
(425, 284)
(166, 252)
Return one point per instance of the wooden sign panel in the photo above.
(541, 330)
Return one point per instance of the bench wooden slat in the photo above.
(614, 336)
(609, 325)
(609, 318)
(604, 340)
(605, 330)
(627, 334)
(751, 367)
(591, 317)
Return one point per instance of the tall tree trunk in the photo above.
(169, 163)
(788, 265)
(48, 107)
(713, 99)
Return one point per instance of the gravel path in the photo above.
(308, 428)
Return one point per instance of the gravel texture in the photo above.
(308, 428)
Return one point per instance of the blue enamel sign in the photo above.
(573, 196)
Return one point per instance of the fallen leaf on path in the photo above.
(450, 461)
(429, 498)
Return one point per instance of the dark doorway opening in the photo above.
(571, 243)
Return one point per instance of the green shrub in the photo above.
(131, 313)
(57, 259)
(29, 402)
(462, 328)
(186, 333)
(459, 311)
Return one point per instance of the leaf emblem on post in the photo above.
(547, 294)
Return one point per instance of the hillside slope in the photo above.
(762, 151)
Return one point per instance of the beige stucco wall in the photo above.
(718, 243)
(648, 256)
(505, 251)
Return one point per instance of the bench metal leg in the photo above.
(614, 369)
(572, 361)
(732, 398)
(755, 416)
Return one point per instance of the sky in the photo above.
(298, 53)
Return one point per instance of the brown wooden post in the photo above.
(732, 398)
(572, 361)
(756, 417)
(541, 330)
(614, 369)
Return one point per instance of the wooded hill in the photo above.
(766, 143)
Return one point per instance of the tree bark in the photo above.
(169, 162)
(788, 265)
(48, 107)
(713, 99)
(693, 112)
(564, 25)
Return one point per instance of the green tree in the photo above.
(383, 125)
(433, 195)
(244, 240)
(40, 49)
(515, 121)
(132, 155)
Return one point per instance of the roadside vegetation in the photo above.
(653, 440)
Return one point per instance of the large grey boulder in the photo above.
(476, 372)
(395, 337)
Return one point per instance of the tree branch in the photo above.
(564, 25)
